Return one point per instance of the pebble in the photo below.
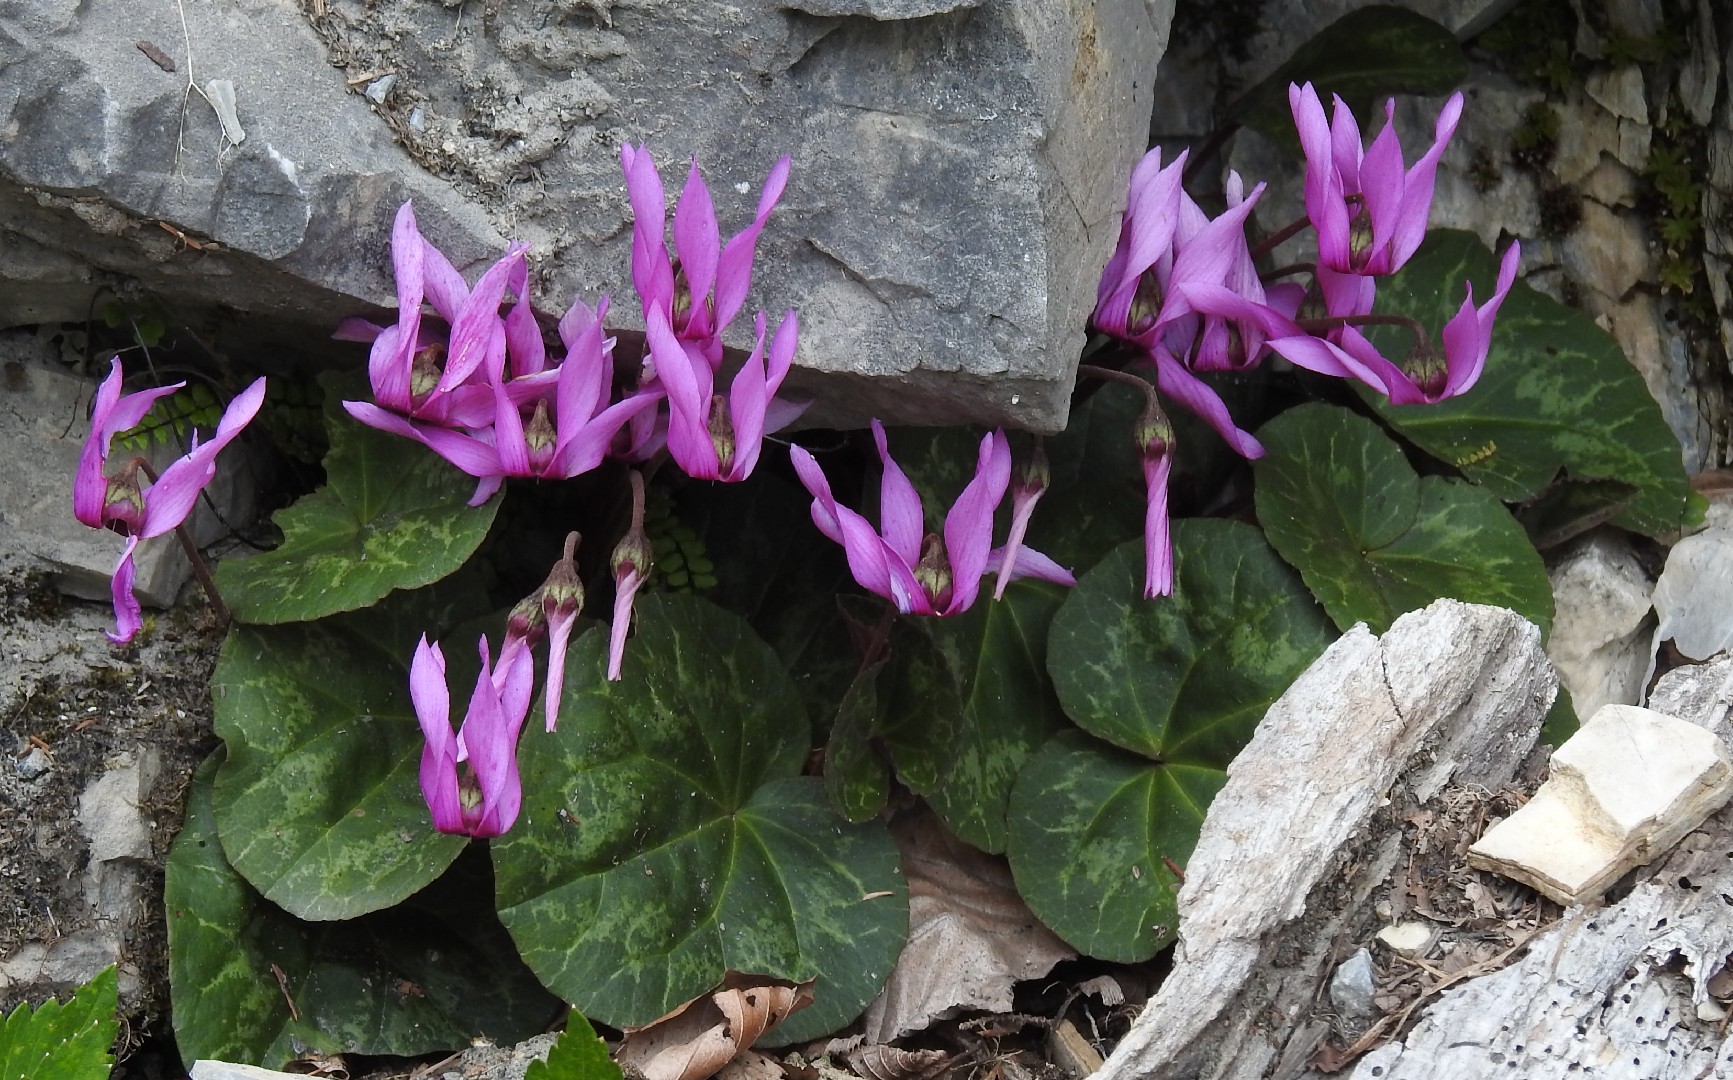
(33, 764)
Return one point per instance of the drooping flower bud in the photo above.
(562, 597)
(1155, 445)
(1030, 476)
(631, 562)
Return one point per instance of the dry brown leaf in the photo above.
(971, 936)
(880, 1062)
(697, 1039)
(1104, 987)
(752, 1065)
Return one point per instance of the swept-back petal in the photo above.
(969, 525)
(127, 617)
(476, 324)
(698, 242)
(688, 382)
(432, 700)
(652, 273)
(1468, 336)
(902, 519)
(1175, 382)
(734, 269)
(868, 555)
(523, 336)
(171, 498)
(111, 413)
(1416, 206)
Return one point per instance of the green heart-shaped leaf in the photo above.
(1556, 394)
(1372, 539)
(667, 836)
(995, 652)
(428, 975)
(319, 800)
(1092, 833)
(1184, 678)
(856, 778)
(391, 515)
(1179, 681)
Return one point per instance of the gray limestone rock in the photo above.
(959, 167)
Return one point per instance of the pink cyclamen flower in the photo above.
(484, 798)
(1134, 281)
(568, 428)
(432, 373)
(1369, 209)
(704, 286)
(1427, 376)
(134, 506)
(924, 573)
(712, 438)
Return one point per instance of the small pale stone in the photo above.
(223, 1070)
(33, 764)
(380, 89)
(1624, 789)
(1409, 938)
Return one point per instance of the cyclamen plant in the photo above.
(711, 785)
(483, 392)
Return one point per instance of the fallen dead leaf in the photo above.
(699, 1038)
(880, 1062)
(971, 936)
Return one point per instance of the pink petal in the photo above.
(902, 519)
(698, 242)
(624, 593)
(1157, 545)
(688, 382)
(868, 555)
(734, 269)
(969, 525)
(171, 498)
(127, 617)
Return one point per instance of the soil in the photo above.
(74, 706)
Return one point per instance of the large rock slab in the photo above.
(959, 167)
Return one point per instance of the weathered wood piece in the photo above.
(1624, 789)
(1638, 988)
(1303, 833)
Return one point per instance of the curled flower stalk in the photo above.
(127, 498)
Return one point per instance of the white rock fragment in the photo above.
(206, 1069)
(1624, 789)
(1409, 938)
